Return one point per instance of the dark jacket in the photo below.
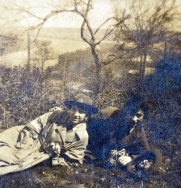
(134, 141)
(110, 131)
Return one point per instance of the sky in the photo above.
(102, 9)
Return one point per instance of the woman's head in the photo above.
(77, 115)
(80, 108)
(139, 115)
(135, 109)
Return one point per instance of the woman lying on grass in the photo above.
(60, 135)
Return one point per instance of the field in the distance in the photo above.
(62, 40)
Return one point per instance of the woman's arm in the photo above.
(142, 138)
(39, 123)
(28, 136)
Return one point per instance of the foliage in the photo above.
(143, 35)
(25, 96)
(162, 89)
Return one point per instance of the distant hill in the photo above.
(63, 40)
(70, 34)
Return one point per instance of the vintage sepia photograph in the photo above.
(90, 93)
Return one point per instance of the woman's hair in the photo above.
(144, 108)
(133, 105)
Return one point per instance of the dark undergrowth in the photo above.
(43, 176)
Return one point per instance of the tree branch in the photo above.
(82, 33)
(103, 24)
(109, 32)
(85, 21)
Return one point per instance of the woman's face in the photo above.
(77, 115)
(138, 116)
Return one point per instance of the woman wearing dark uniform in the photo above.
(130, 149)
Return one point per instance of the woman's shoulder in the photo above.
(60, 112)
(59, 116)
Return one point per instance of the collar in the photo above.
(80, 130)
(75, 128)
(79, 127)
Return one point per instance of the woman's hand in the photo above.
(124, 160)
(56, 148)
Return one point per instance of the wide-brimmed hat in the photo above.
(82, 101)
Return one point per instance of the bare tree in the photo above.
(91, 39)
(42, 53)
(88, 33)
(146, 31)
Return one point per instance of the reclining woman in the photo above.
(60, 135)
(117, 139)
(131, 150)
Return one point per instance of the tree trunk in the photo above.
(165, 52)
(143, 56)
(141, 64)
(144, 65)
(28, 53)
(98, 69)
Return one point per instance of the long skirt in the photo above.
(13, 158)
